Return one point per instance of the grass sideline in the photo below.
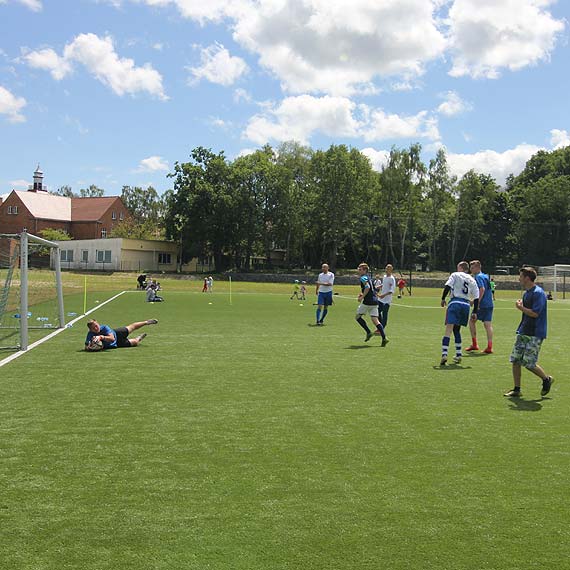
(237, 436)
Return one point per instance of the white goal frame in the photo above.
(25, 238)
(554, 273)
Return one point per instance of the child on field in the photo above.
(295, 290)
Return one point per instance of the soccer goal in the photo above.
(555, 279)
(31, 292)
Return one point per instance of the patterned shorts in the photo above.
(526, 350)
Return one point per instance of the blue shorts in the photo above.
(457, 314)
(325, 299)
(485, 314)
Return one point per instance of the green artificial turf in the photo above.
(239, 437)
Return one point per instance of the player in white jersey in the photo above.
(324, 291)
(385, 295)
(463, 289)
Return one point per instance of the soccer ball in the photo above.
(95, 345)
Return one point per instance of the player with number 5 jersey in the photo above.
(463, 289)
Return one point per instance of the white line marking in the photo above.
(56, 332)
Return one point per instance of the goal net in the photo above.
(555, 279)
(31, 295)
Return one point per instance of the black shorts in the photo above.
(122, 337)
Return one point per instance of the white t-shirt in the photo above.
(388, 286)
(327, 278)
(463, 287)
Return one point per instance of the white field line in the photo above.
(56, 332)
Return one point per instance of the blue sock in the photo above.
(325, 311)
(318, 315)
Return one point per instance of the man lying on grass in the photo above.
(101, 337)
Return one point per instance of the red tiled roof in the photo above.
(91, 209)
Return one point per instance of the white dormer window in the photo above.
(114, 215)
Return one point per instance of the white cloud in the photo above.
(48, 59)
(100, 59)
(378, 158)
(498, 164)
(246, 151)
(19, 184)
(153, 164)
(76, 123)
(212, 10)
(383, 126)
(34, 5)
(242, 95)
(559, 138)
(490, 35)
(298, 118)
(453, 105)
(11, 106)
(218, 66)
(341, 46)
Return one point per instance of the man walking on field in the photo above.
(530, 333)
(324, 291)
(385, 295)
(463, 288)
(485, 312)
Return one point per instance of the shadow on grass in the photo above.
(358, 346)
(451, 367)
(522, 405)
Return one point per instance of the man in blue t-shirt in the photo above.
(530, 333)
(114, 338)
(485, 311)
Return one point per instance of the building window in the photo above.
(103, 256)
(121, 216)
(84, 255)
(113, 215)
(104, 233)
(12, 209)
(67, 255)
(164, 258)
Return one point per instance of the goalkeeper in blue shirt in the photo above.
(101, 337)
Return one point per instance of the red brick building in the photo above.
(36, 210)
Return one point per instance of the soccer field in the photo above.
(239, 437)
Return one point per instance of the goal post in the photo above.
(555, 279)
(20, 293)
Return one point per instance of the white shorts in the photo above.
(372, 310)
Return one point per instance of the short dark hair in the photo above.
(529, 272)
(464, 265)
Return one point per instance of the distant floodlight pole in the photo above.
(230, 289)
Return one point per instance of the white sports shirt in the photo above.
(327, 278)
(463, 287)
(388, 286)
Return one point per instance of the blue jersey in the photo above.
(370, 297)
(534, 299)
(483, 281)
(103, 330)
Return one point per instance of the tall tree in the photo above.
(92, 192)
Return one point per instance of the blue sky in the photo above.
(113, 92)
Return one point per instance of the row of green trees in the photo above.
(316, 205)
(331, 205)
